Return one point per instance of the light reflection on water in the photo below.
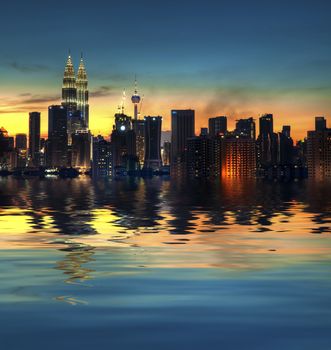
(218, 253)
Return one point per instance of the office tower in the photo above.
(21, 150)
(57, 143)
(34, 139)
(182, 128)
(69, 89)
(266, 124)
(101, 158)
(82, 94)
(81, 150)
(319, 151)
(217, 126)
(286, 131)
(76, 124)
(123, 141)
(139, 129)
(267, 143)
(153, 127)
(285, 152)
(246, 128)
(320, 123)
(238, 156)
(203, 131)
(8, 159)
(166, 153)
(203, 157)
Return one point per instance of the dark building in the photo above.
(217, 126)
(166, 154)
(286, 131)
(8, 158)
(267, 143)
(320, 123)
(182, 128)
(285, 152)
(123, 141)
(81, 150)
(102, 158)
(319, 151)
(203, 157)
(153, 127)
(75, 124)
(57, 143)
(34, 139)
(139, 129)
(21, 150)
(246, 128)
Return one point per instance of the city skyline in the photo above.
(215, 65)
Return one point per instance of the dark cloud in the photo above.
(28, 68)
(39, 99)
(103, 91)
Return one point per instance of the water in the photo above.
(154, 264)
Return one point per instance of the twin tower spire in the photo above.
(75, 90)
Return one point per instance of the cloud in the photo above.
(28, 68)
(103, 91)
(39, 99)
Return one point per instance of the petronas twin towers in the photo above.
(75, 90)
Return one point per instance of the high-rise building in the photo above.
(238, 156)
(267, 143)
(69, 88)
(246, 128)
(320, 123)
(286, 131)
(75, 124)
(166, 153)
(153, 127)
(182, 128)
(34, 139)
(57, 143)
(139, 129)
(101, 158)
(21, 150)
(203, 157)
(217, 126)
(81, 150)
(319, 151)
(82, 93)
(8, 159)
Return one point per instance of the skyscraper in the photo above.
(21, 150)
(57, 143)
(34, 139)
(320, 123)
(319, 151)
(69, 88)
(81, 149)
(217, 126)
(82, 93)
(102, 158)
(266, 124)
(246, 127)
(182, 128)
(267, 143)
(153, 143)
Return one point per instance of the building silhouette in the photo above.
(217, 126)
(57, 143)
(34, 139)
(153, 127)
(101, 158)
(246, 128)
(182, 128)
(81, 150)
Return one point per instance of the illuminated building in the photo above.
(135, 100)
(57, 143)
(81, 150)
(75, 124)
(153, 143)
(217, 126)
(319, 151)
(101, 158)
(69, 89)
(203, 157)
(34, 139)
(246, 127)
(238, 156)
(139, 129)
(82, 93)
(182, 128)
